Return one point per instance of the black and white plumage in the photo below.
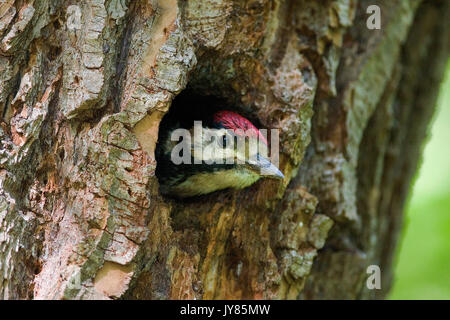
(193, 179)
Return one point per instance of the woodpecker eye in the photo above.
(224, 141)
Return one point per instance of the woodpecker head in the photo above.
(226, 151)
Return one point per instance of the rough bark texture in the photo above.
(84, 85)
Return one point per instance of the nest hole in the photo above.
(188, 107)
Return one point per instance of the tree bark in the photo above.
(85, 84)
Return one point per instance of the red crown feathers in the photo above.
(234, 121)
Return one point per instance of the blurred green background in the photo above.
(423, 259)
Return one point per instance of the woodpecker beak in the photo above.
(265, 168)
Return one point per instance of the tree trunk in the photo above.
(85, 84)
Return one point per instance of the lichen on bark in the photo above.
(84, 86)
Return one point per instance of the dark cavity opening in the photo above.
(186, 108)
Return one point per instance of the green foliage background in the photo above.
(423, 260)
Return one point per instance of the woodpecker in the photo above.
(220, 164)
